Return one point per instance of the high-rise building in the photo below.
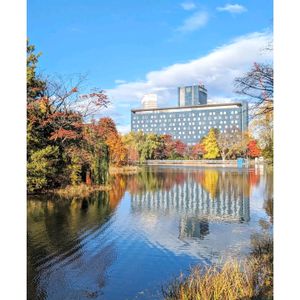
(190, 123)
(149, 101)
(192, 95)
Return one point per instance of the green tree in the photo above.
(42, 169)
(149, 147)
(35, 85)
(210, 145)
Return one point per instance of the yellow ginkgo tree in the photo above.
(210, 144)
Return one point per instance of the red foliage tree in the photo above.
(253, 149)
(168, 145)
(179, 148)
(106, 127)
(197, 151)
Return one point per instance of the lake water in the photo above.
(128, 242)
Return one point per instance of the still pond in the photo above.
(150, 227)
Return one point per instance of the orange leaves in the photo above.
(64, 134)
(74, 90)
(197, 151)
(253, 149)
(117, 150)
(98, 99)
(106, 126)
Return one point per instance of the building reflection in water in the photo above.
(193, 228)
(203, 196)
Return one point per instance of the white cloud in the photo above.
(188, 5)
(194, 22)
(233, 8)
(123, 128)
(119, 81)
(216, 70)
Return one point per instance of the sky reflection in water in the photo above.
(126, 243)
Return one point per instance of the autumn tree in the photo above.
(107, 127)
(179, 150)
(227, 142)
(253, 149)
(131, 141)
(108, 131)
(257, 86)
(210, 145)
(117, 151)
(55, 124)
(262, 126)
(241, 146)
(168, 143)
(197, 151)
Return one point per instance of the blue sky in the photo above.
(130, 48)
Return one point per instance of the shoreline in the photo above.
(203, 163)
(125, 170)
(81, 190)
(200, 163)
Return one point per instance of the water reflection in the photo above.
(206, 194)
(58, 231)
(193, 227)
(160, 220)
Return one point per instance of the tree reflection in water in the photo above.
(72, 246)
(56, 231)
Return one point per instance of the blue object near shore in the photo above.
(240, 162)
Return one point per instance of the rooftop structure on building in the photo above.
(192, 118)
(192, 95)
(149, 101)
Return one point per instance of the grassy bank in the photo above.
(125, 170)
(251, 278)
(81, 190)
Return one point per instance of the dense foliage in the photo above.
(61, 148)
(215, 145)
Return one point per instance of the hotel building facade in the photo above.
(189, 123)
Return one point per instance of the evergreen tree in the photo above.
(35, 86)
